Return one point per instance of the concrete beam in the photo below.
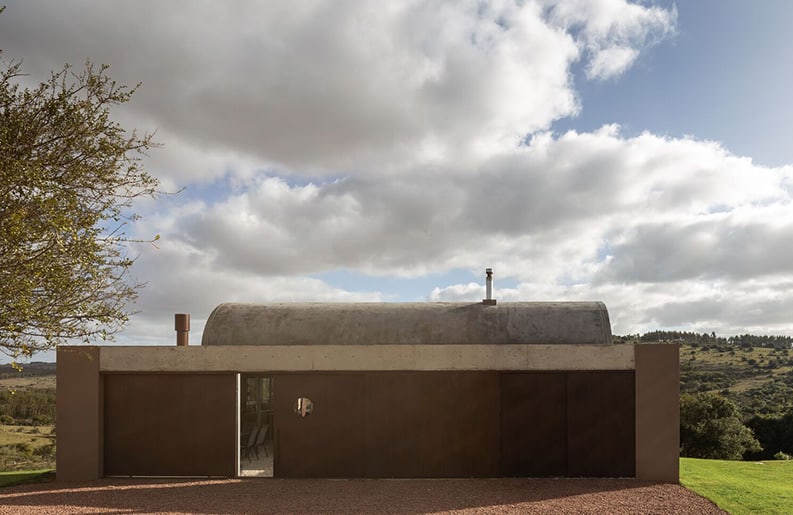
(293, 358)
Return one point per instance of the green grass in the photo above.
(25, 476)
(741, 486)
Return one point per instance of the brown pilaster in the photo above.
(657, 412)
(78, 414)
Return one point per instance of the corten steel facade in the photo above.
(398, 390)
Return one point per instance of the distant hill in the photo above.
(35, 368)
(37, 375)
(755, 372)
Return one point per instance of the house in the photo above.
(376, 390)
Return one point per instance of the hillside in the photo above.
(755, 373)
(758, 380)
(37, 374)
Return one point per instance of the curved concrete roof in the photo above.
(408, 323)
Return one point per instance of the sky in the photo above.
(637, 153)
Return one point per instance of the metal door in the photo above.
(387, 424)
(329, 441)
(533, 424)
(170, 424)
(601, 424)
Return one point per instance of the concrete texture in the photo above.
(296, 358)
(408, 324)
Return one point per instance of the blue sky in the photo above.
(632, 152)
(721, 77)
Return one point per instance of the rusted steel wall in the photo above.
(533, 424)
(601, 424)
(399, 424)
(455, 424)
(170, 424)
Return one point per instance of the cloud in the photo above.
(723, 245)
(329, 86)
(412, 138)
(577, 214)
(611, 32)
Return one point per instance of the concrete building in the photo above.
(376, 390)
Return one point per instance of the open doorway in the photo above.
(256, 426)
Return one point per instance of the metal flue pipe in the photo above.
(182, 326)
(489, 300)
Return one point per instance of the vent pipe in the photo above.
(182, 326)
(489, 300)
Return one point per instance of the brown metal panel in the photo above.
(533, 424)
(170, 424)
(328, 443)
(600, 424)
(458, 424)
(392, 408)
(392, 424)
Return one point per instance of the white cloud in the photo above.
(611, 32)
(610, 62)
(331, 86)
(385, 139)
(579, 215)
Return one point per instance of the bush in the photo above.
(710, 428)
(775, 434)
(45, 451)
(27, 407)
(781, 456)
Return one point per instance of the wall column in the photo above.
(78, 414)
(657, 412)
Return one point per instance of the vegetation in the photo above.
(711, 428)
(776, 435)
(26, 447)
(26, 476)
(755, 373)
(27, 418)
(741, 487)
(27, 407)
(33, 369)
(68, 177)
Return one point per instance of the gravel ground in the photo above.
(411, 496)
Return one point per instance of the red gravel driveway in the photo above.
(411, 496)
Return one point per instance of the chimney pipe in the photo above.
(182, 326)
(489, 300)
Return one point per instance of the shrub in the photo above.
(710, 428)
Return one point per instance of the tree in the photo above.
(68, 178)
(774, 433)
(710, 428)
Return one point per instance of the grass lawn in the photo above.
(26, 476)
(741, 486)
